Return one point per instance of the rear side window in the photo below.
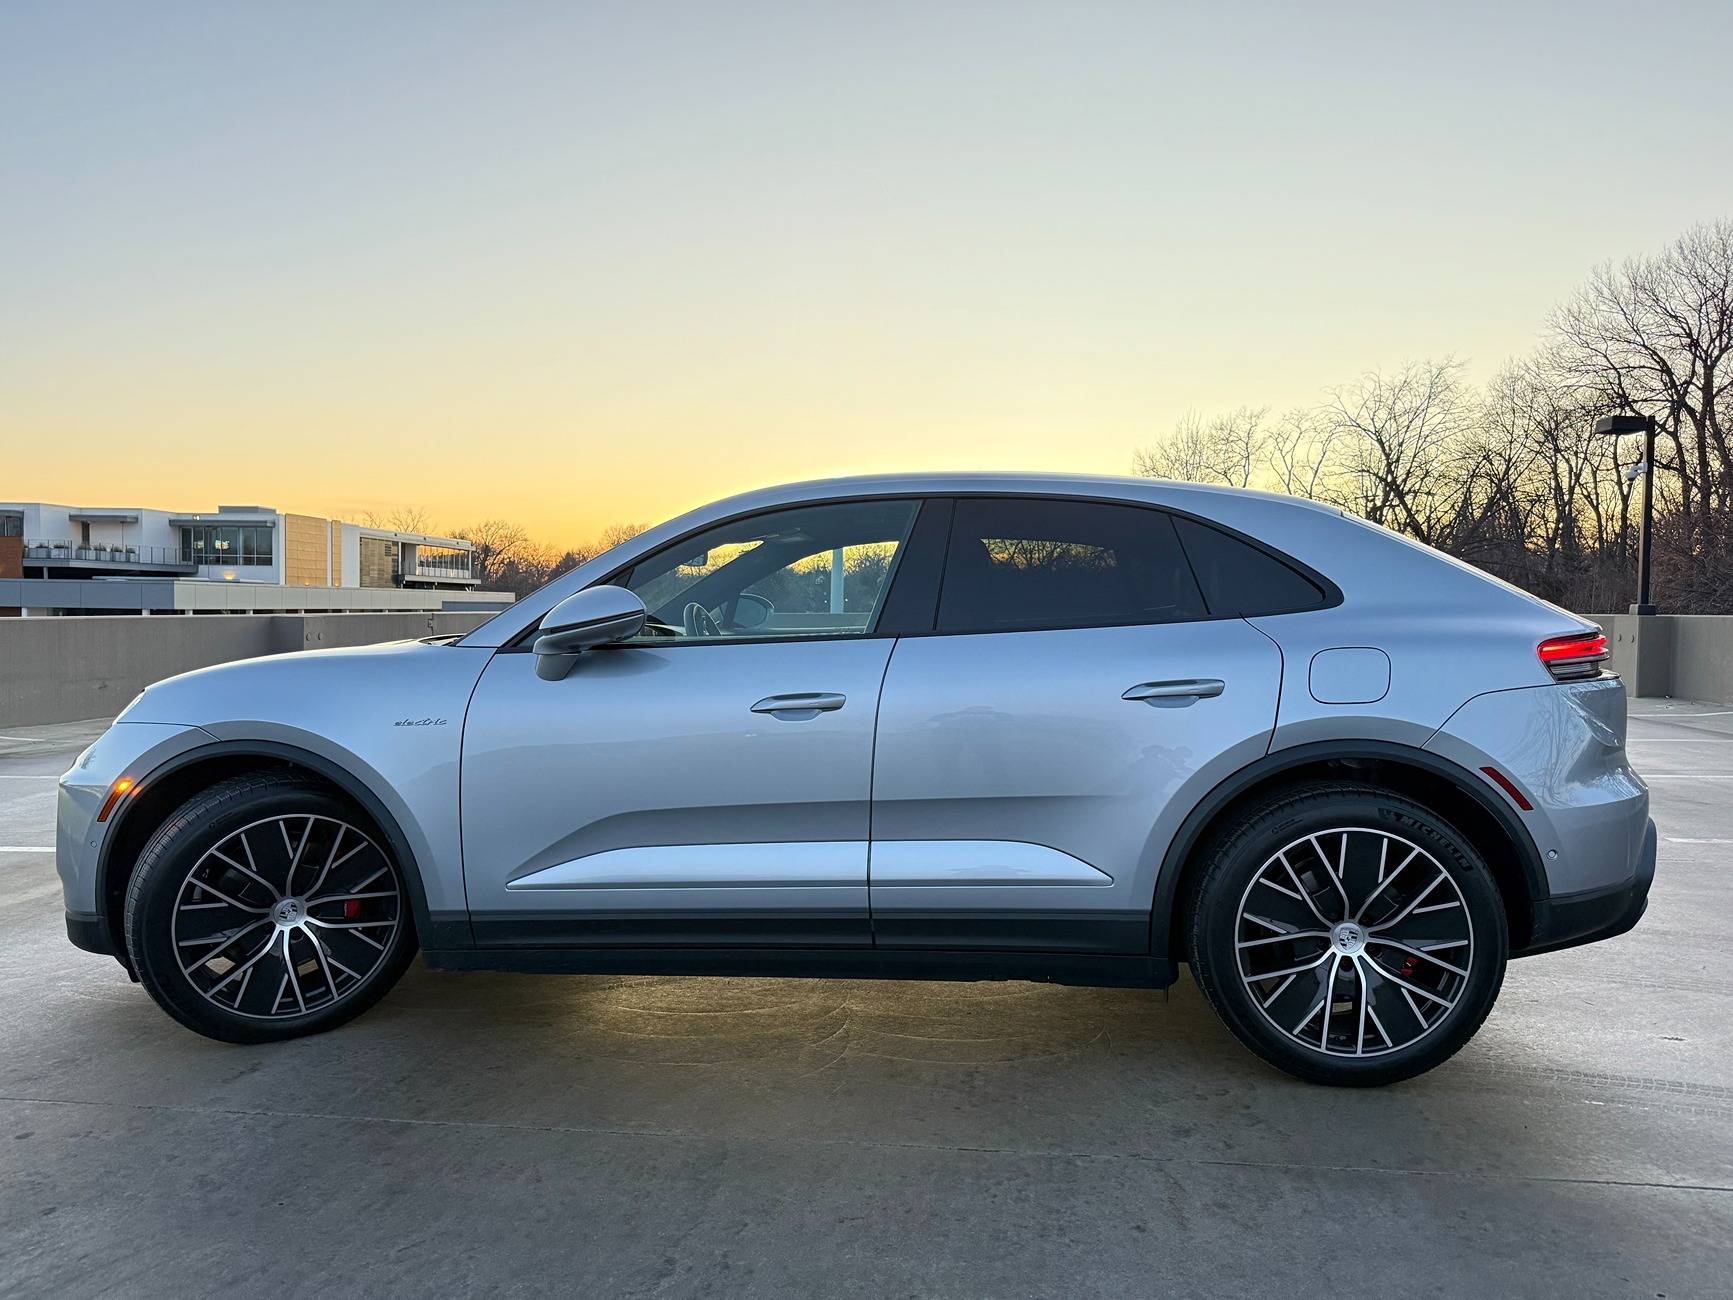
(1237, 578)
(1018, 564)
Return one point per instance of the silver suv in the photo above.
(922, 727)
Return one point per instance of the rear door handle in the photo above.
(800, 705)
(1197, 688)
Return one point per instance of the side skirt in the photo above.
(817, 963)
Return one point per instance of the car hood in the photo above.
(394, 679)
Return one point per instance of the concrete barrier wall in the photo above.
(65, 669)
(1685, 656)
(1702, 657)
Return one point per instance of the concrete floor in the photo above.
(608, 1136)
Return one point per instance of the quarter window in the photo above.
(1238, 578)
(1026, 563)
(812, 571)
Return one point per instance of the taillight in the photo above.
(1570, 658)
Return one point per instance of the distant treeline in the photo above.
(1507, 476)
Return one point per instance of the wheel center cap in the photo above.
(289, 911)
(1348, 939)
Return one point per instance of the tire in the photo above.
(1407, 934)
(267, 908)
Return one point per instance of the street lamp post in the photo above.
(1613, 426)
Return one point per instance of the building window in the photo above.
(218, 544)
(11, 525)
(441, 562)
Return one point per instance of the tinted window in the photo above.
(1238, 578)
(802, 572)
(1030, 563)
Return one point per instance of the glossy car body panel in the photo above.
(1449, 632)
(643, 747)
(1349, 675)
(390, 716)
(776, 866)
(943, 864)
(126, 750)
(1563, 747)
(1027, 736)
(1020, 817)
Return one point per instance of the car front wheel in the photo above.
(1348, 935)
(267, 908)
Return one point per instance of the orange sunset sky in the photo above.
(575, 264)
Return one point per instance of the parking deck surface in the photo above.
(684, 1136)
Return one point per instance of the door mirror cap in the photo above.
(586, 619)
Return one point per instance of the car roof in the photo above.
(1134, 487)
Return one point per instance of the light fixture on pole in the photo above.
(1613, 426)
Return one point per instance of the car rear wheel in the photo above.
(267, 908)
(1347, 935)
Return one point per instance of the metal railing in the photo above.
(226, 559)
(432, 569)
(103, 553)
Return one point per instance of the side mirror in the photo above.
(586, 619)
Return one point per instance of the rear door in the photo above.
(1037, 750)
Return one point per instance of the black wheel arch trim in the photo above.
(444, 930)
(1204, 813)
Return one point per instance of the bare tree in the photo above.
(1300, 454)
(1403, 439)
(399, 519)
(497, 544)
(408, 519)
(1509, 476)
(1655, 334)
(1228, 449)
(614, 534)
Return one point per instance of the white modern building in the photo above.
(66, 559)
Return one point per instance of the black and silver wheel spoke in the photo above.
(286, 916)
(1354, 941)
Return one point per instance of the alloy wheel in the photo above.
(1354, 942)
(286, 916)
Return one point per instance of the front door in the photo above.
(1035, 756)
(708, 782)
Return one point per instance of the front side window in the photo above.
(811, 571)
(1018, 564)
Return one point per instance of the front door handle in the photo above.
(1197, 688)
(800, 705)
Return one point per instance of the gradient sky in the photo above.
(583, 263)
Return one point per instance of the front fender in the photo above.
(127, 749)
(384, 723)
(438, 923)
(411, 778)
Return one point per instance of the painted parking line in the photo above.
(25, 848)
(1686, 776)
(1677, 717)
(1684, 839)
